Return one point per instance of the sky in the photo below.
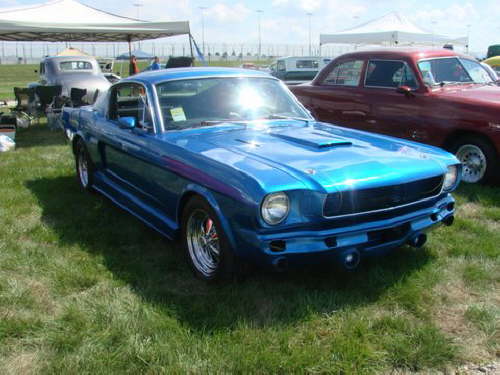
(286, 22)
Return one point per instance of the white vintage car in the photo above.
(82, 72)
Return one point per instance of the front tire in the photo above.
(84, 167)
(478, 157)
(205, 243)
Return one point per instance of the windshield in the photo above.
(206, 101)
(452, 70)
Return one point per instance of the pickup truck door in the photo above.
(338, 97)
(396, 104)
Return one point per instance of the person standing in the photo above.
(133, 68)
(155, 65)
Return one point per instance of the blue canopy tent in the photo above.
(139, 55)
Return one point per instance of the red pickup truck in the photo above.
(433, 96)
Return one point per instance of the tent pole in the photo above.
(191, 46)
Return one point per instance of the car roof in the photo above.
(401, 52)
(72, 57)
(187, 73)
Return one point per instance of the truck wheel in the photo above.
(478, 158)
(84, 167)
(205, 243)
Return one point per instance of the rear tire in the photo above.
(208, 251)
(84, 167)
(478, 157)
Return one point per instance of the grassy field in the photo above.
(86, 288)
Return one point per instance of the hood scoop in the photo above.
(316, 140)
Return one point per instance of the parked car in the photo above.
(82, 72)
(106, 65)
(494, 63)
(295, 70)
(493, 50)
(432, 96)
(229, 161)
(492, 72)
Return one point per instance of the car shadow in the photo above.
(39, 135)
(156, 270)
(489, 195)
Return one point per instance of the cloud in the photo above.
(278, 3)
(310, 5)
(223, 12)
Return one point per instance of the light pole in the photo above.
(138, 5)
(203, 28)
(468, 38)
(259, 12)
(309, 17)
(433, 32)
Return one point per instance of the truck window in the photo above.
(345, 74)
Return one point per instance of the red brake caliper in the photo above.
(208, 227)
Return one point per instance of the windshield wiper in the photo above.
(283, 117)
(216, 122)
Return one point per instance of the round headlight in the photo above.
(275, 208)
(450, 178)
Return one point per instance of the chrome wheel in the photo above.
(203, 243)
(474, 162)
(83, 168)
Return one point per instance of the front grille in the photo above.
(366, 200)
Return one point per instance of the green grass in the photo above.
(87, 288)
(15, 75)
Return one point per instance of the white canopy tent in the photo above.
(70, 21)
(391, 29)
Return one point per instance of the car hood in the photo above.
(471, 93)
(321, 156)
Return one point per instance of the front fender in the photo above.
(209, 196)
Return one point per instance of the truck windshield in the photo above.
(207, 101)
(452, 70)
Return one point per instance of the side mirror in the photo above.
(126, 122)
(404, 90)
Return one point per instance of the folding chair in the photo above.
(96, 95)
(76, 96)
(22, 95)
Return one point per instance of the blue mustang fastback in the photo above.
(229, 161)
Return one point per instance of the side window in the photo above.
(345, 74)
(130, 100)
(306, 64)
(281, 66)
(386, 73)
